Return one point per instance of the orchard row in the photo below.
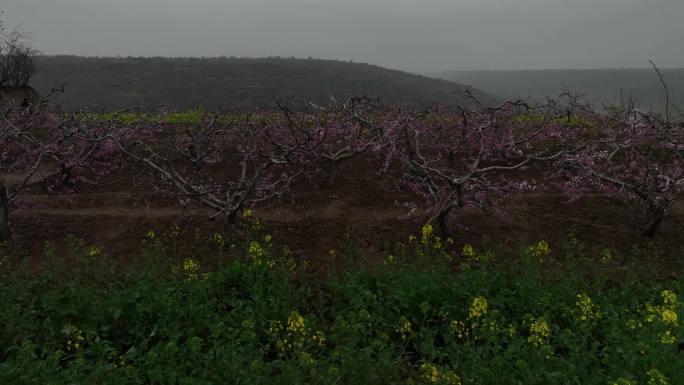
(448, 157)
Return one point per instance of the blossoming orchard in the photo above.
(448, 158)
(189, 278)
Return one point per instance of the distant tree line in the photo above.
(101, 83)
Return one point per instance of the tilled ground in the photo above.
(360, 211)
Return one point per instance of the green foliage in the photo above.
(193, 116)
(262, 319)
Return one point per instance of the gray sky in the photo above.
(414, 35)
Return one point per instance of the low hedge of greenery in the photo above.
(427, 315)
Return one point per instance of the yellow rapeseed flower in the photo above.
(669, 298)
(656, 378)
(433, 375)
(404, 328)
(217, 238)
(430, 372)
(191, 268)
(667, 338)
(585, 308)
(95, 251)
(669, 317)
(541, 249)
(652, 311)
(275, 327)
(622, 381)
(468, 251)
(319, 338)
(295, 324)
(75, 341)
(478, 308)
(459, 329)
(390, 260)
(493, 327)
(450, 378)
(255, 249)
(539, 332)
(606, 256)
(190, 265)
(256, 252)
(427, 234)
(438, 243)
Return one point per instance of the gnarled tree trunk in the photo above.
(229, 222)
(443, 224)
(332, 169)
(651, 229)
(5, 235)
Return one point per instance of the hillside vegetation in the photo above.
(605, 85)
(115, 83)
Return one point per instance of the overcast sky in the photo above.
(413, 35)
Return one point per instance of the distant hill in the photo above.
(115, 83)
(603, 85)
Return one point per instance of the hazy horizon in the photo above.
(415, 36)
(648, 66)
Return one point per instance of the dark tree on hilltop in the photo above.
(17, 58)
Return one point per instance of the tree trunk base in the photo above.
(5, 234)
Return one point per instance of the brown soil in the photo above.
(317, 217)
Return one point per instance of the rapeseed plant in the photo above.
(656, 378)
(295, 324)
(430, 372)
(468, 252)
(585, 310)
(318, 338)
(539, 332)
(478, 308)
(404, 328)
(434, 375)
(392, 325)
(190, 268)
(426, 234)
(75, 338)
(95, 251)
(623, 381)
(667, 338)
(217, 239)
(606, 256)
(540, 250)
(390, 260)
(459, 329)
